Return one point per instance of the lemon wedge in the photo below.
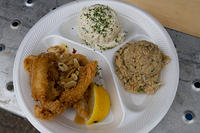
(99, 104)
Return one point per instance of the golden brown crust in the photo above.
(59, 80)
(68, 97)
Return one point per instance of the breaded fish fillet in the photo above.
(68, 97)
(50, 77)
(38, 67)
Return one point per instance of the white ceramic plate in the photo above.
(129, 112)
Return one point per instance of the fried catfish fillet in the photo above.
(82, 105)
(38, 68)
(68, 97)
(50, 74)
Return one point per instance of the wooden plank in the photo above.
(181, 15)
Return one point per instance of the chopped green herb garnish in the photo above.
(86, 43)
(87, 15)
(85, 29)
(99, 16)
(156, 82)
(153, 70)
(98, 67)
(98, 84)
(98, 70)
(104, 35)
(97, 73)
(140, 90)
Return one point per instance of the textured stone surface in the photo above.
(10, 123)
(188, 48)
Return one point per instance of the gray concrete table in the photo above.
(18, 16)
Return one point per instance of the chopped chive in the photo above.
(156, 82)
(153, 70)
(140, 90)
